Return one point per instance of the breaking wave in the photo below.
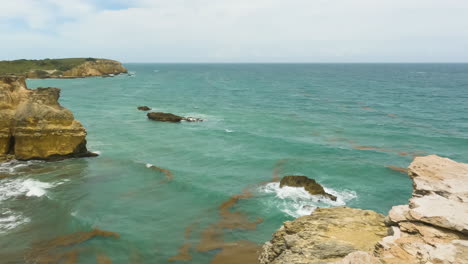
(296, 201)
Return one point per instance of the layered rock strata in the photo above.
(432, 228)
(33, 125)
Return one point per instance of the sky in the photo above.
(236, 30)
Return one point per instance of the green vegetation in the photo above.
(20, 67)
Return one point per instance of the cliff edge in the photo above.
(62, 68)
(33, 125)
(432, 228)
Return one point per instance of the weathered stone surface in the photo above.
(309, 185)
(327, 235)
(432, 229)
(100, 67)
(33, 125)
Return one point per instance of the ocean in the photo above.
(163, 186)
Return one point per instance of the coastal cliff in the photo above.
(432, 228)
(33, 125)
(62, 68)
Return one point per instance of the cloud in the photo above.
(242, 30)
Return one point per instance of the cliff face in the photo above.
(88, 68)
(33, 125)
(99, 67)
(432, 228)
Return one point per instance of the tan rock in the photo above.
(34, 125)
(100, 67)
(327, 235)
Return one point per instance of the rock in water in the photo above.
(327, 235)
(164, 117)
(33, 125)
(309, 185)
(144, 108)
(432, 228)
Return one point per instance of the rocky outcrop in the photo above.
(327, 235)
(431, 229)
(144, 108)
(33, 125)
(99, 67)
(168, 117)
(310, 185)
(88, 68)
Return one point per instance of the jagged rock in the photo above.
(309, 185)
(33, 125)
(431, 229)
(164, 117)
(144, 108)
(327, 235)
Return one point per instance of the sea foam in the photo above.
(296, 201)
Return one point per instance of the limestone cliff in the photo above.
(432, 228)
(61, 68)
(100, 67)
(33, 125)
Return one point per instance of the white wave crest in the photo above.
(228, 130)
(296, 201)
(10, 188)
(14, 166)
(9, 220)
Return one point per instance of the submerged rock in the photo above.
(33, 125)
(432, 228)
(309, 185)
(144, 108)
(168, 117)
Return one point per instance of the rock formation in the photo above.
(327, 235)
(309, 185)
(99, 67)
(168, 117)
(88, 68)
(432, 228)
(33, 125)
(144, 108)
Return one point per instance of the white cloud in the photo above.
(248, 30)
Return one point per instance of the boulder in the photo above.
(164, 117)
(144, 108)
(33, 125)
(309, 185)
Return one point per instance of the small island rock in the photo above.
(164, 117)
(309, 185)
(144, 108)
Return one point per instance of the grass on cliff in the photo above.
(19, 67)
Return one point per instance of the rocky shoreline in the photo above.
(432, 228)
(62, 68)
(33, 125)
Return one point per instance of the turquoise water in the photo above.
(340, 124)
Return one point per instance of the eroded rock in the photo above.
(328, 235)
(309, 185)
(33, 125)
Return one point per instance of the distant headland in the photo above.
(62, 68)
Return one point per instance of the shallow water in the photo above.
(349, 126)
